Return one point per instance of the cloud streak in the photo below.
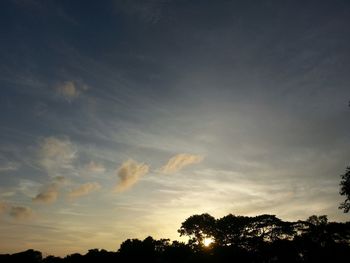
(180, 161)
(84, 189)
(129, 173)
(8, 167)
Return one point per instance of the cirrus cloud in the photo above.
(129, 173)
(179, 161)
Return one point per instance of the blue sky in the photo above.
(121, 119)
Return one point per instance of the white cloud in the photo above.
(56, 155)
(180, 161)
(84, 189)
(129, 173)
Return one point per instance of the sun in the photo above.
(207, 241)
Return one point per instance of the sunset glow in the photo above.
(207, 241)
(120, 119)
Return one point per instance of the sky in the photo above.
(120, 119)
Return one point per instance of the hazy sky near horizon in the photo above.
(119, 119)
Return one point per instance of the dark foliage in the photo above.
(263, 238)
(345, 190)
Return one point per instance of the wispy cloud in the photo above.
(84, 189)
(56, 154)
(94, 167)
(8, 167)
(129, 173)
(20, 212)
(180, 161)
(70, 90)
(27, 187)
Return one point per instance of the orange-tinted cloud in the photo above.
(180, 161)
(84, 189)
(50, 193)
(20, 212)
(129, 173)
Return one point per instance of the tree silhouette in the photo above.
(198, 227)
(231, 229)
(345, 190)
(177, 252)
(28, 256)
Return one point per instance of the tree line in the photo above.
(263, 238)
